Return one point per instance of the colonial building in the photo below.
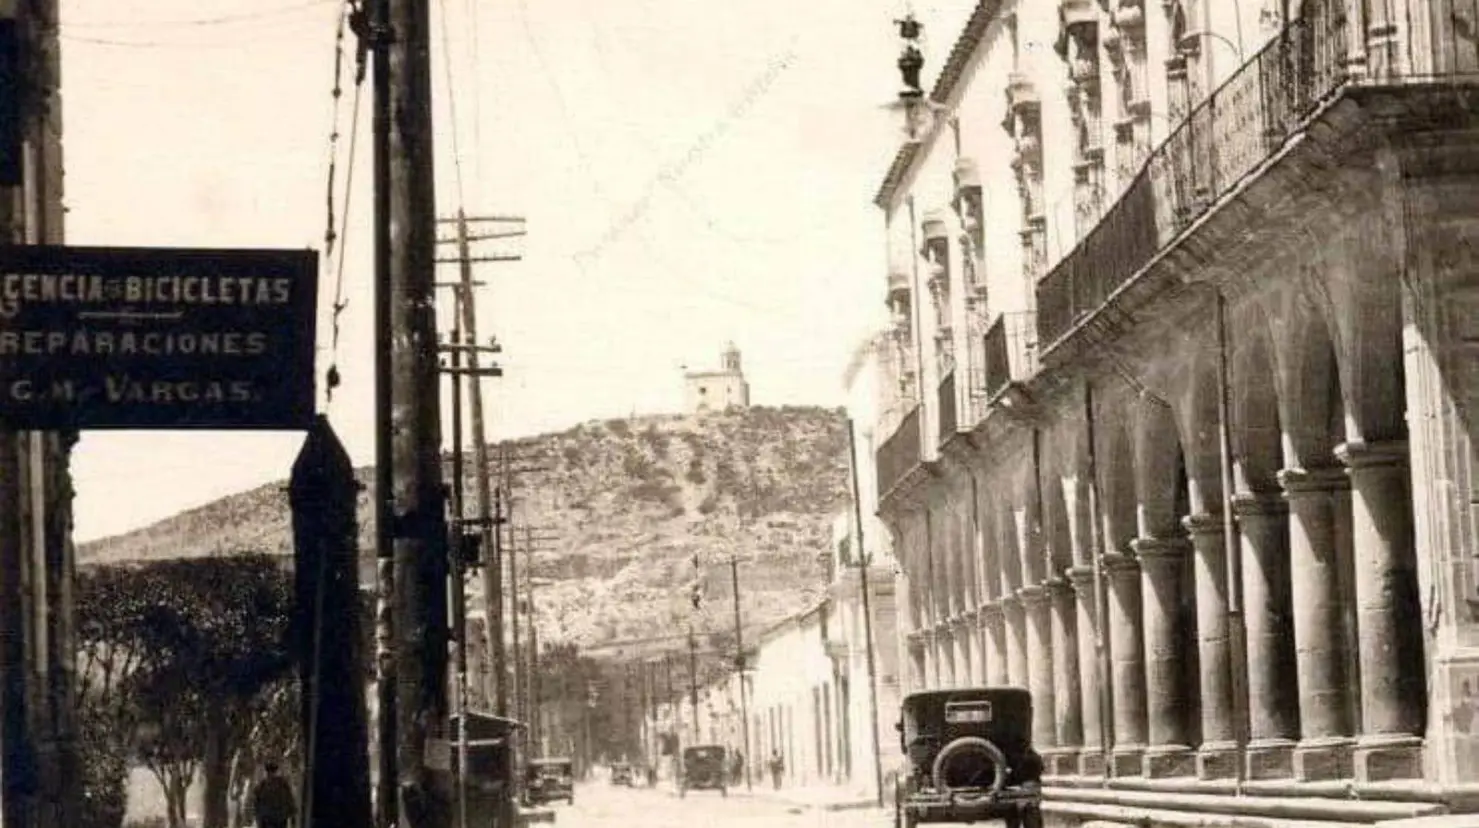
(718, 390)
(1183, 385)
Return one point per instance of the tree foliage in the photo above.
(175, 657)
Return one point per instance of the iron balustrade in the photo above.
(1011, 351)
(900, 453)
(949, 414)
(1225, 138)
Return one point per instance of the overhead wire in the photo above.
(335, 241)
(451, 103)
(588, 168)
(220, 20)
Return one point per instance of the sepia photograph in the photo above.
(674, 413)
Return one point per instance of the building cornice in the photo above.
(944, 89)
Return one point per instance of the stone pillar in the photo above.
(1067, 690)
(1218, 753)
(1127, 647)
(945, 652)
(960, 638)
(1388, 612)
(1162, 566)
(1091, 758)
(1273, 700)
(918, 673)
(1324, 749)
(1016, 636)
(1037, 613)
(975, 649)
(994, 639)
(931, 659)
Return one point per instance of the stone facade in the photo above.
(1197, 465)
(718, 390)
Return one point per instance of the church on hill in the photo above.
(717, 390)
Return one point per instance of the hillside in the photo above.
(619, 509)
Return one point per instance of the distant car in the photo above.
(704, 768)
(621, 774)
(969, 758)
(549, 780)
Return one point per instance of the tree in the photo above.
(178, 655)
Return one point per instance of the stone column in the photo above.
(975, 651)
(1091, 758)
(931, 659)
(1127, 646)
(1324, 749)
(960, 636)
(1388, 612)
(1016, 639)
(994, 639)
(1273, 700)
(1067, 691)
(1162, 567)
(1037, 613)
(918, 672)
(945, 652)
(1218, 753)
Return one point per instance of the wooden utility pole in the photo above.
(512, 553)
(864, 562)
(490, 512)
(387, 810)
(411, 522)
(739, 666)
(693, 678)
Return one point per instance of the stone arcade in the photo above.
(1094, 185)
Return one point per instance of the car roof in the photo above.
(963, 694)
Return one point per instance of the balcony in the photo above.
(1220, 144)
(949, 414)
(899, 454)
(1011, 352)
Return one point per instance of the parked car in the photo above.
(704, 768)
(549, 779)
(621, 774)
(968, 758)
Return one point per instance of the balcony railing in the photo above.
(949, 414)
(1224, 139)
(1011, 351)
(899, 453)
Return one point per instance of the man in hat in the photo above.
(272, 800)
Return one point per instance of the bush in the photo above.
(104, 770)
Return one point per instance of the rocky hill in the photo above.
(619, 510)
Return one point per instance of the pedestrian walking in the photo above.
(273, 804)
(777, 767)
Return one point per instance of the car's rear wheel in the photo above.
(970, 762)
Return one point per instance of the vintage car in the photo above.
(704, 767)
(621, 774)
(549, 779)
(969, 758)
(489, 778)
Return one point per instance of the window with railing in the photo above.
(899, 453)
(949, 415)
(1011, 351)
(1223, 139)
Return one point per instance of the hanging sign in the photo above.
(156, 338)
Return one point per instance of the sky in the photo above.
(690, 171)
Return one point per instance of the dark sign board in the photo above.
(156, 338)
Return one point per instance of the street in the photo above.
(600, 805)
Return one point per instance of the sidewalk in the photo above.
(818, 797)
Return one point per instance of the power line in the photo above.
(452, 101)
(243, 17)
